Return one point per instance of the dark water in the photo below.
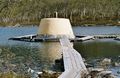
(98, 48)
(38, 56)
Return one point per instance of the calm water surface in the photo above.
(40, 56)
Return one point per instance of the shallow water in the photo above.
(40, 56)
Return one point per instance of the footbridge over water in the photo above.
(73, 62)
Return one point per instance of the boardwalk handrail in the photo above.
(73, 63)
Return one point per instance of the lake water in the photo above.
(19, 56)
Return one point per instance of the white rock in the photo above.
(106, 61)
(117, 64)
(97, 69)
(39, 73)
(106, 72)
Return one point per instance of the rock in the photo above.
(116, 64)
(30, 70)
(112, 76)
(88, 65)
(118, 72)
(118, 22)
(34, 74)
(83, 59)
(94, 72)
(48, 71)
(118, 56)
(106, 61)
(39, 73)
(97, 69)
(103, 73)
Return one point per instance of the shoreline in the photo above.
(72, 26)
(83, 25)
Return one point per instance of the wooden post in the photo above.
(56, 14)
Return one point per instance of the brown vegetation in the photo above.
(80, 12)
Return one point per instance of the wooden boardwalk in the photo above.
(73, 63)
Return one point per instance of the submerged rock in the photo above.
(33, 73)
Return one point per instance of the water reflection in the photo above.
(98, 48)
(49, 52)
(20, 57)
(95, 52)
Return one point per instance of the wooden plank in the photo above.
(66, 43)
(79, 60)
(67, 61)
(73, 63)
